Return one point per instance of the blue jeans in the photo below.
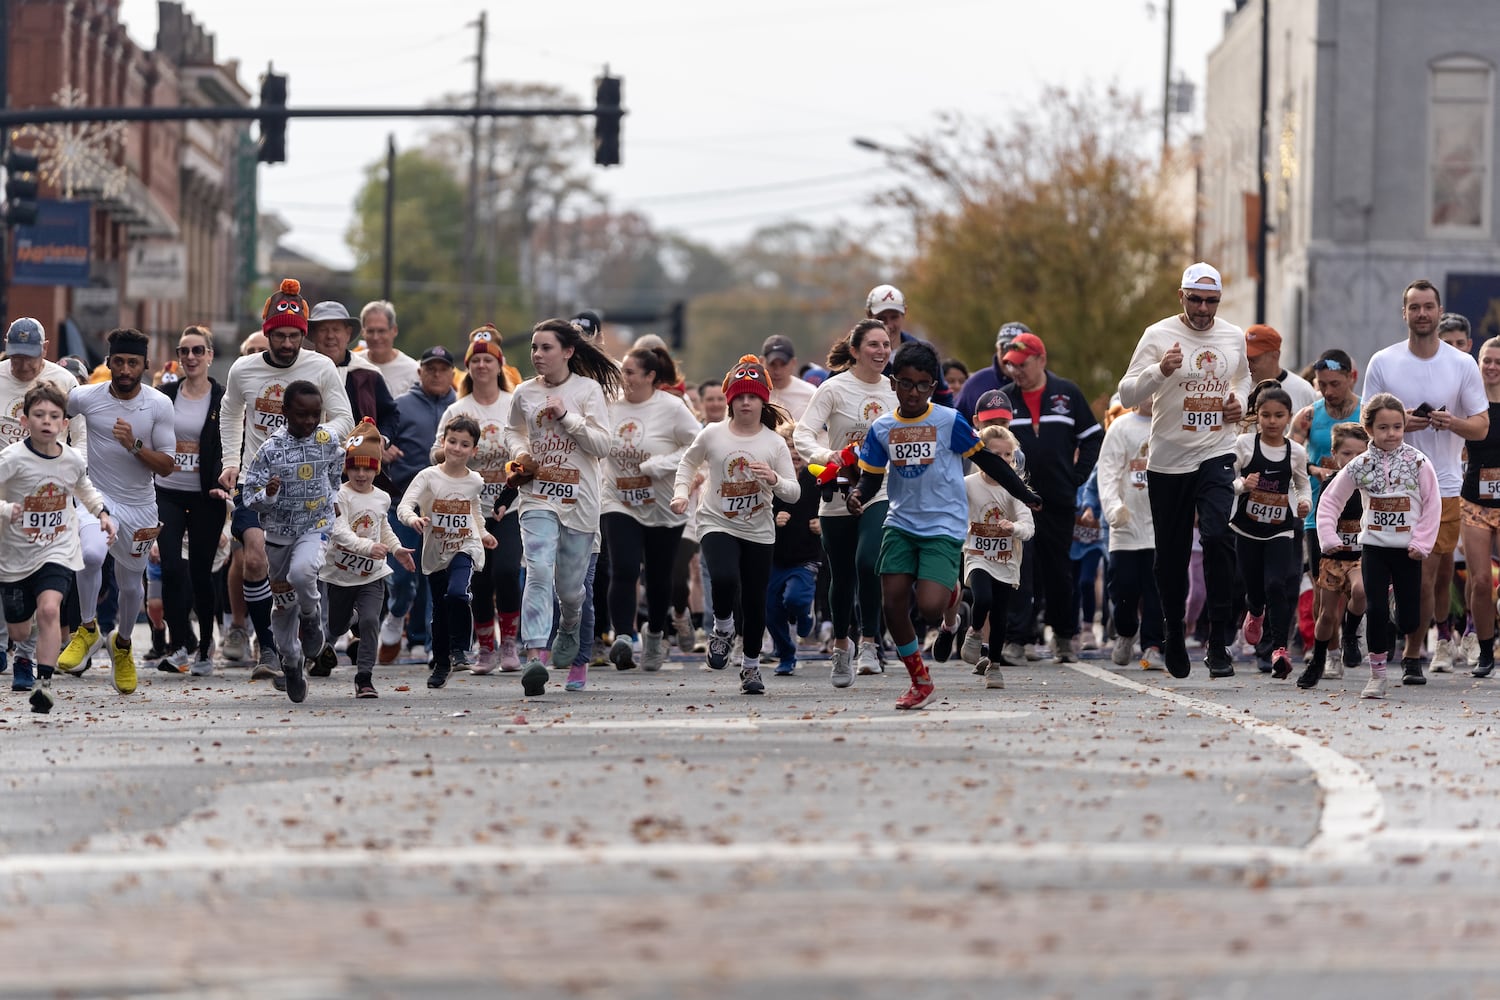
(408, 591)
(557, 559)
(789, 599)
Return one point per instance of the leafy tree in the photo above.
(1059, 219)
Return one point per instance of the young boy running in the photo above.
(922, 542)
(291, 484)
(39, 477)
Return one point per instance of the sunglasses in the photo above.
(1199, 300)
(196, 350)
(1329, 365)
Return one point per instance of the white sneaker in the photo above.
(235, 646)
(1152, 660)
(390, 630)
(841, 674)
(1442, 657)
(1036, 652)
(1014, 653)
(972, 649)
(1333, 667)
(1123, 646)
(1374, 688)
(867, 661)
(1468, 651)
(993, 679)
(1063, 650)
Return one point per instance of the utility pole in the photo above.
(471, 217)
(1263, 224)
(388, 243)
(1166, 92)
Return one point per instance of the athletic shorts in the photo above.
(1479, 516)
(242, 519)
(939, 559)
(1337, 576)
(1447, 536)
(18, 598)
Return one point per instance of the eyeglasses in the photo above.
(1328, 365)
(1199, 300)
(196, 350)
(907, 385)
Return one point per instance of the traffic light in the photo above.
(607, 114)
(21, 187)
(272, 146)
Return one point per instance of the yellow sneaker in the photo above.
(123, 663)
(85, 641)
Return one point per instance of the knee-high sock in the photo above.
(258, 600)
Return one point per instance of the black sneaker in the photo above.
(1485, 666)
(1219, 662)
(1411, 671)
(439, 675)
(1175, 655)
(41, 698)
(942, 646)
(1351, 651)
(719, 646)
(322, 665)
(750, 682)
(1311, 675)
(24, 677)
(1281, 666)
(364, 686)
(295, 674)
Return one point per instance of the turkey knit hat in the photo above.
(285, 307)
(364, 447)
(485, 340)
(747, 376)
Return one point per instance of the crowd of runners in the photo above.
(336, 499)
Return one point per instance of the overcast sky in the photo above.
(721, 98)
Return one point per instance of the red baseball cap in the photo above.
(1026, 345)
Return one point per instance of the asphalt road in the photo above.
(1086, 832)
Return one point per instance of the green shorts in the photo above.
(939, 559)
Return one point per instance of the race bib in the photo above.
(1265, 507)
(1349, 532)
(185, 456)
(353, 562)
(494, 485)
(1489, 484)
(1390, 513)
(556, 485)
(450, 517)
(1203, 413)
(267, 416)
(43, 517)
(635, 491)
(1084, 532)
(990, 542)
(913, 445)
(740, 499)
(140, 542)
(282, 596)
(1138, 473)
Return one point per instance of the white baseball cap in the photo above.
(1203, 277)
(883, 297)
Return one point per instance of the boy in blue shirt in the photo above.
(922, 543)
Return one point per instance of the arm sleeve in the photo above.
(517, 440)
(163, 426)
(691, 459)
(813, 420)
(684, 430)
(1301, 486)
(1001, 472)
(338, 415)
(1025, 523)
(232, 420)
(1143, 375)
(589, 425)
(1331, 502)
(1425, 533)
(415, 496)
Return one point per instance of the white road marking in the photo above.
(1353, 809)
(657, 855)
(750, 724)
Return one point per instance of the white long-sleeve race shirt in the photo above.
(1187, 417)
(255, 390)
(567, 451)
(734, 501)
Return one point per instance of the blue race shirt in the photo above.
(1320, 446)
(923, 462)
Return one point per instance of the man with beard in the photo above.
(1446, 405)
(1192, 367)
(133, 438)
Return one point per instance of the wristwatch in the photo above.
(135, 449)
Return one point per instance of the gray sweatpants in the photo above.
(296, 605)
(363, 600)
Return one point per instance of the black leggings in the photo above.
(738, 567)
(629, 539)
(853, 547)
(991, 597)
(1266, 566)
(497, 587)
(1389, 567)
(201, 518)
(682, 573)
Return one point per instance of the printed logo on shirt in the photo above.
(1061, 405)
(872, 409)
(364, 525)
(11, 427)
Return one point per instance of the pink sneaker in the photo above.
(917, 696)
(1253, 627)
(510, 657)
(578, 678)
(488, 660)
